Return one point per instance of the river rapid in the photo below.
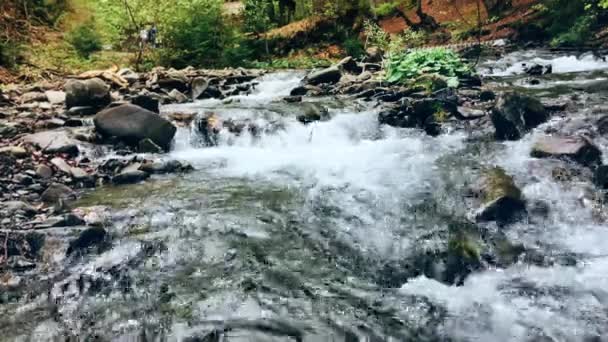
(317, 232)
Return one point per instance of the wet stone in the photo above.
(44, 171)
(130, 177)
(577, 149)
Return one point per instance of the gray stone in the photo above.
(373, 54)
(88, 238)
(349, 64)
(53, 142)
(13, 207)
(199, 86)
(148, 146)
(178, 96)
(44, 171)
(502, 201)
(81, 111)
(467, 113)
(55, 97)
(328, 75)
(515, 114)
(132, 124)
(57, 194)
(130, 177)
(577, 149)
(33, 96)
(15, 151)
(92, 92)
(165, 167)
(147, 101)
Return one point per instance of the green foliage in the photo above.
(570, 22)
(258, 15)
(196, 35)
(354, 47)
(386, 9)
(375, 35)
(10, 54)
(85, 39)
(406, 67)
(304, 62)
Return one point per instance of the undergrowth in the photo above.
(408, 66)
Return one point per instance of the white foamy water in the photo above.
(513, 63)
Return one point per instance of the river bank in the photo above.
(327, 207)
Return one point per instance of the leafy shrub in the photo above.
(354, 47)
(406, 67)
(10, 54)
(375, 35)
(386, 9)
(571, 22)
(196, 35)
(85, 40)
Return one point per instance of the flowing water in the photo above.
(312, 233)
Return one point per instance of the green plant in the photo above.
(375, 35)
(408, 66)
(386, 9)
(10, 54)
(354, 47)
(85, 39)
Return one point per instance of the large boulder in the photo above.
(132, 124)
(502, 201)
(515, 114)
(328, 75)
(576, 149)
(92, 92)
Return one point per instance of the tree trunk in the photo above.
(426, 21)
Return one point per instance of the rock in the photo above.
(55, 97)
(372, 67)
(349, 64)
(487, 95)
(148, 146)
(373, 54)
(174, 80)
(600, 177)
(53, 142)
(502, 201)
(53, 123)
(57, 194)
(73, 123)
(292, 99)
(7, 131)
(178, 96)
(81, 111)
(538, 69)
(576, 149)
(185, 118)
(466, 113)
(132, 124)
(92, 92)
(429, 83)
(328, 75)
(299, 91)
(602, 125)
(88, 238)
(313, 112)
(199, 85)
(129, 75)
(65, 220)
(147, 101)
(23, 179)
(170, 166)
(15, 151)
(33, 96)
(130, 177)
(516, 114)
(13, 207)
(44, 171)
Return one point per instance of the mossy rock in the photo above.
(502, 200)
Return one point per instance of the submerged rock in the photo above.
(148, 146)
(93, 92)
(313, 112)
(576, 149)
(165, 167)
(502, 201)
(515, 114)
(132, 124)
(88, 238)
(538, 69)
(130, 177)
